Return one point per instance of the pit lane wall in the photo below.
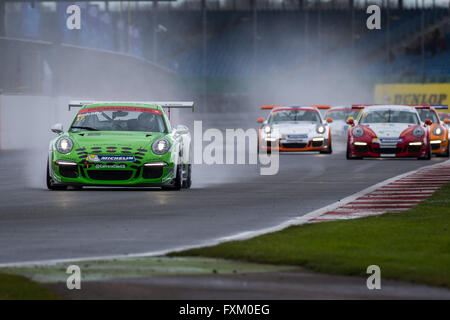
(411, 93)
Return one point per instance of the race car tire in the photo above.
(177, 182)
(427, 156)
(50, 184)
(188, 182)
(328, 150)
(178, 179)
(445, 154)
(350, 156)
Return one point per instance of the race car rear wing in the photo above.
(270, 107)
(320, 107)
(361, 106)
(437, 107)
(346, 107)
(164, 104)
(419, 106)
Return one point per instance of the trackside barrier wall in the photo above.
(43, 68)
(25, 121)
(401, 93)
(39, 78)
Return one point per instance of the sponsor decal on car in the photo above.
(115, 108)
(297, 136)
(110, 166)
(391, 140)
(108, 158)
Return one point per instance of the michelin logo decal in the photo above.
(99, 158)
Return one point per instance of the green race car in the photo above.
(121, 144)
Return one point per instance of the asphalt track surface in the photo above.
(287, 285)
(37, 224)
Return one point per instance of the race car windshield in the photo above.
(337, 115)
(353, 113)
(294, 115)
(389, 116)
(119, 120)
(341, 114)
(428, 114)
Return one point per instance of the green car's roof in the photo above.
(142, 105)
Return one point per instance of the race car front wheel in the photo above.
(427, 156)
(446, 153)
(328, 150)
(188, 180)
(50, 184)
(350, 156)
(177, 182)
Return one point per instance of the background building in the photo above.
(307, 51)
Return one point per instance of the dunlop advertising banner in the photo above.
(431, 94)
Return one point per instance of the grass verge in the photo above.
(411, 246)
(105, 270)
(15, 287)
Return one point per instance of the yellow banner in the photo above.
(428, 94)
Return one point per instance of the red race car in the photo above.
(391, 131)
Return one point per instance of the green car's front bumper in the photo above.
(69, 171)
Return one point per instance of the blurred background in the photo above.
(226, 55)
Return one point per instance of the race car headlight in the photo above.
(65, 163)
(160, 146)
(156, 164)
(438, 131)
(64, 145)
(358, 132)
(267, 129)
(418, 132)
(320, 129)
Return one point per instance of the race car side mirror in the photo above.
(182, 130)
(329, 120)
(350, 121)
(260, 120)
(428, 122)
(446, 121)
(57, 128)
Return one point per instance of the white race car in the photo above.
(293, 129)
(340, 115)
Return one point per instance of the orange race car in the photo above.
(293, 129)
(438, 130)
(445, 117)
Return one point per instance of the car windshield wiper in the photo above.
(85, 128)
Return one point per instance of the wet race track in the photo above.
(37, 224)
